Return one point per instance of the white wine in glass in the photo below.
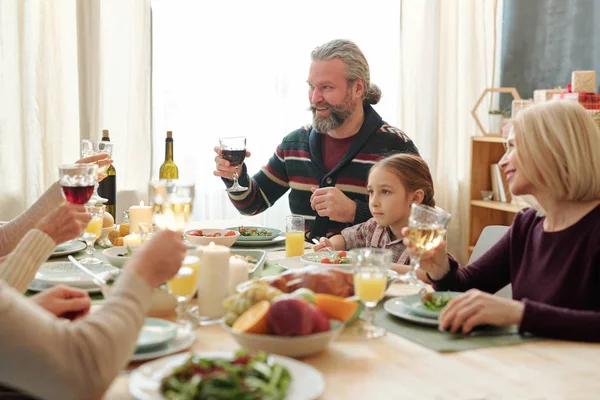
(171, 203)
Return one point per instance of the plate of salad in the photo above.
(226, 375)
(339, 258)
(255, 233)
(429, 305)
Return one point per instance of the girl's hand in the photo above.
(434, 262)
(324, 243)
(476, 308)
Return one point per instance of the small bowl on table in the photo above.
(117, 255)
(288, 346)
(203, 237)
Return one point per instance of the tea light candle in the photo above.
(213, 280)
(238, 273)
(133, 239)
(139, 215)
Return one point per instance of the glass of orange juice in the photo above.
(294, 236)
(183, 285)
(370, 282)
(92, 232)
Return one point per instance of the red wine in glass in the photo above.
(235, 157)
(78, 194)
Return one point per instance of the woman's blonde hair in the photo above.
(558, 148)
(413, 172)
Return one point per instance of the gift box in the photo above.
(543, 95)
(583, 81)
(590, 101)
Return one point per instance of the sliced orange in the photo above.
(335, 307)
(254, 320)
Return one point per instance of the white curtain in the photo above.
(239, 68)
(447, 60)
(68, 69)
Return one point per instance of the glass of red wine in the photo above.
(233, 149)
(77, 181)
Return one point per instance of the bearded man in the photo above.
(325, 164)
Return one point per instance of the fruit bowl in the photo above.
(207, 237)
(294, 346)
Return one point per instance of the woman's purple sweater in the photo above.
(556, 275)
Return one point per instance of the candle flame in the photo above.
(142, 203)
(232, 258)
(212, 244)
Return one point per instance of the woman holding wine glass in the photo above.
(550, 255)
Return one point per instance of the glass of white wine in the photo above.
(426, 229)
(183, 286)
(89, 148)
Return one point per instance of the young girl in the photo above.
(394, 183)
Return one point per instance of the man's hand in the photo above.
(333, 203)
(65, 222)
(223, 167)
(64, 302)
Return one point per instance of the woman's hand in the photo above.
(64, 302)
(324, 243)
(476, 308)
(101, 160)
(65, 222)
(434, 262)
(160, 259)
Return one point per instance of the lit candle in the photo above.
(133, 239)
(213, 280)
(139, 215)
(238, 273)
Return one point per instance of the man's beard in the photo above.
(337, 115)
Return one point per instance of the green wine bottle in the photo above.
(168, 169)
(108, 187)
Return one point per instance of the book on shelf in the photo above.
(499, 184)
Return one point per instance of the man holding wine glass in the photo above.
(326, 164)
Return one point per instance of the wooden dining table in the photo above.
(393, 367)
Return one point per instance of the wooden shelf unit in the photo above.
(485, 151)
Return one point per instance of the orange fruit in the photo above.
(118, 241)
(254, 320)
(124, 229)
(112, 235)
(335, 307)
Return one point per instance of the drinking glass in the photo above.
(233, 149)
(183, 286)
(89, 148)
(370, 281)
(294, 236)
(92, 232)
(426, 229)
(171, 202)
(77, 181)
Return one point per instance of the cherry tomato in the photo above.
(325, 260)
(342, 254)
(336, 261)
(218, 234)
(242, 229)
(252, 230)
(229, 233)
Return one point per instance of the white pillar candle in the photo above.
(238, 273)
(139, 215)
(213, 280)
(133, 239)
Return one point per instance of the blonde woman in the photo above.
(551, 254)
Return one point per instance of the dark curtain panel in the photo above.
(543, 41)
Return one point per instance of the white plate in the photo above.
(144, 382)
(415, 305)
(292, 263)
(155, 333)
(36, 286)
(64, 249)
(256, 243)
(397, 308)
(65, 273)
(182, 341)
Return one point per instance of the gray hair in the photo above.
(357, 66)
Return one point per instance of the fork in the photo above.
(329, 249)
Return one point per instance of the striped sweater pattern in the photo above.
(297, 165)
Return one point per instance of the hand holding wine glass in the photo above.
(232, 155)
(434, 262)
(65, 222)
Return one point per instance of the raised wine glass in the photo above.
(233, 149)
(89, 148)
(370, 282)
(426, 229)
(77, 181)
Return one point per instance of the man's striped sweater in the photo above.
(298, 164)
